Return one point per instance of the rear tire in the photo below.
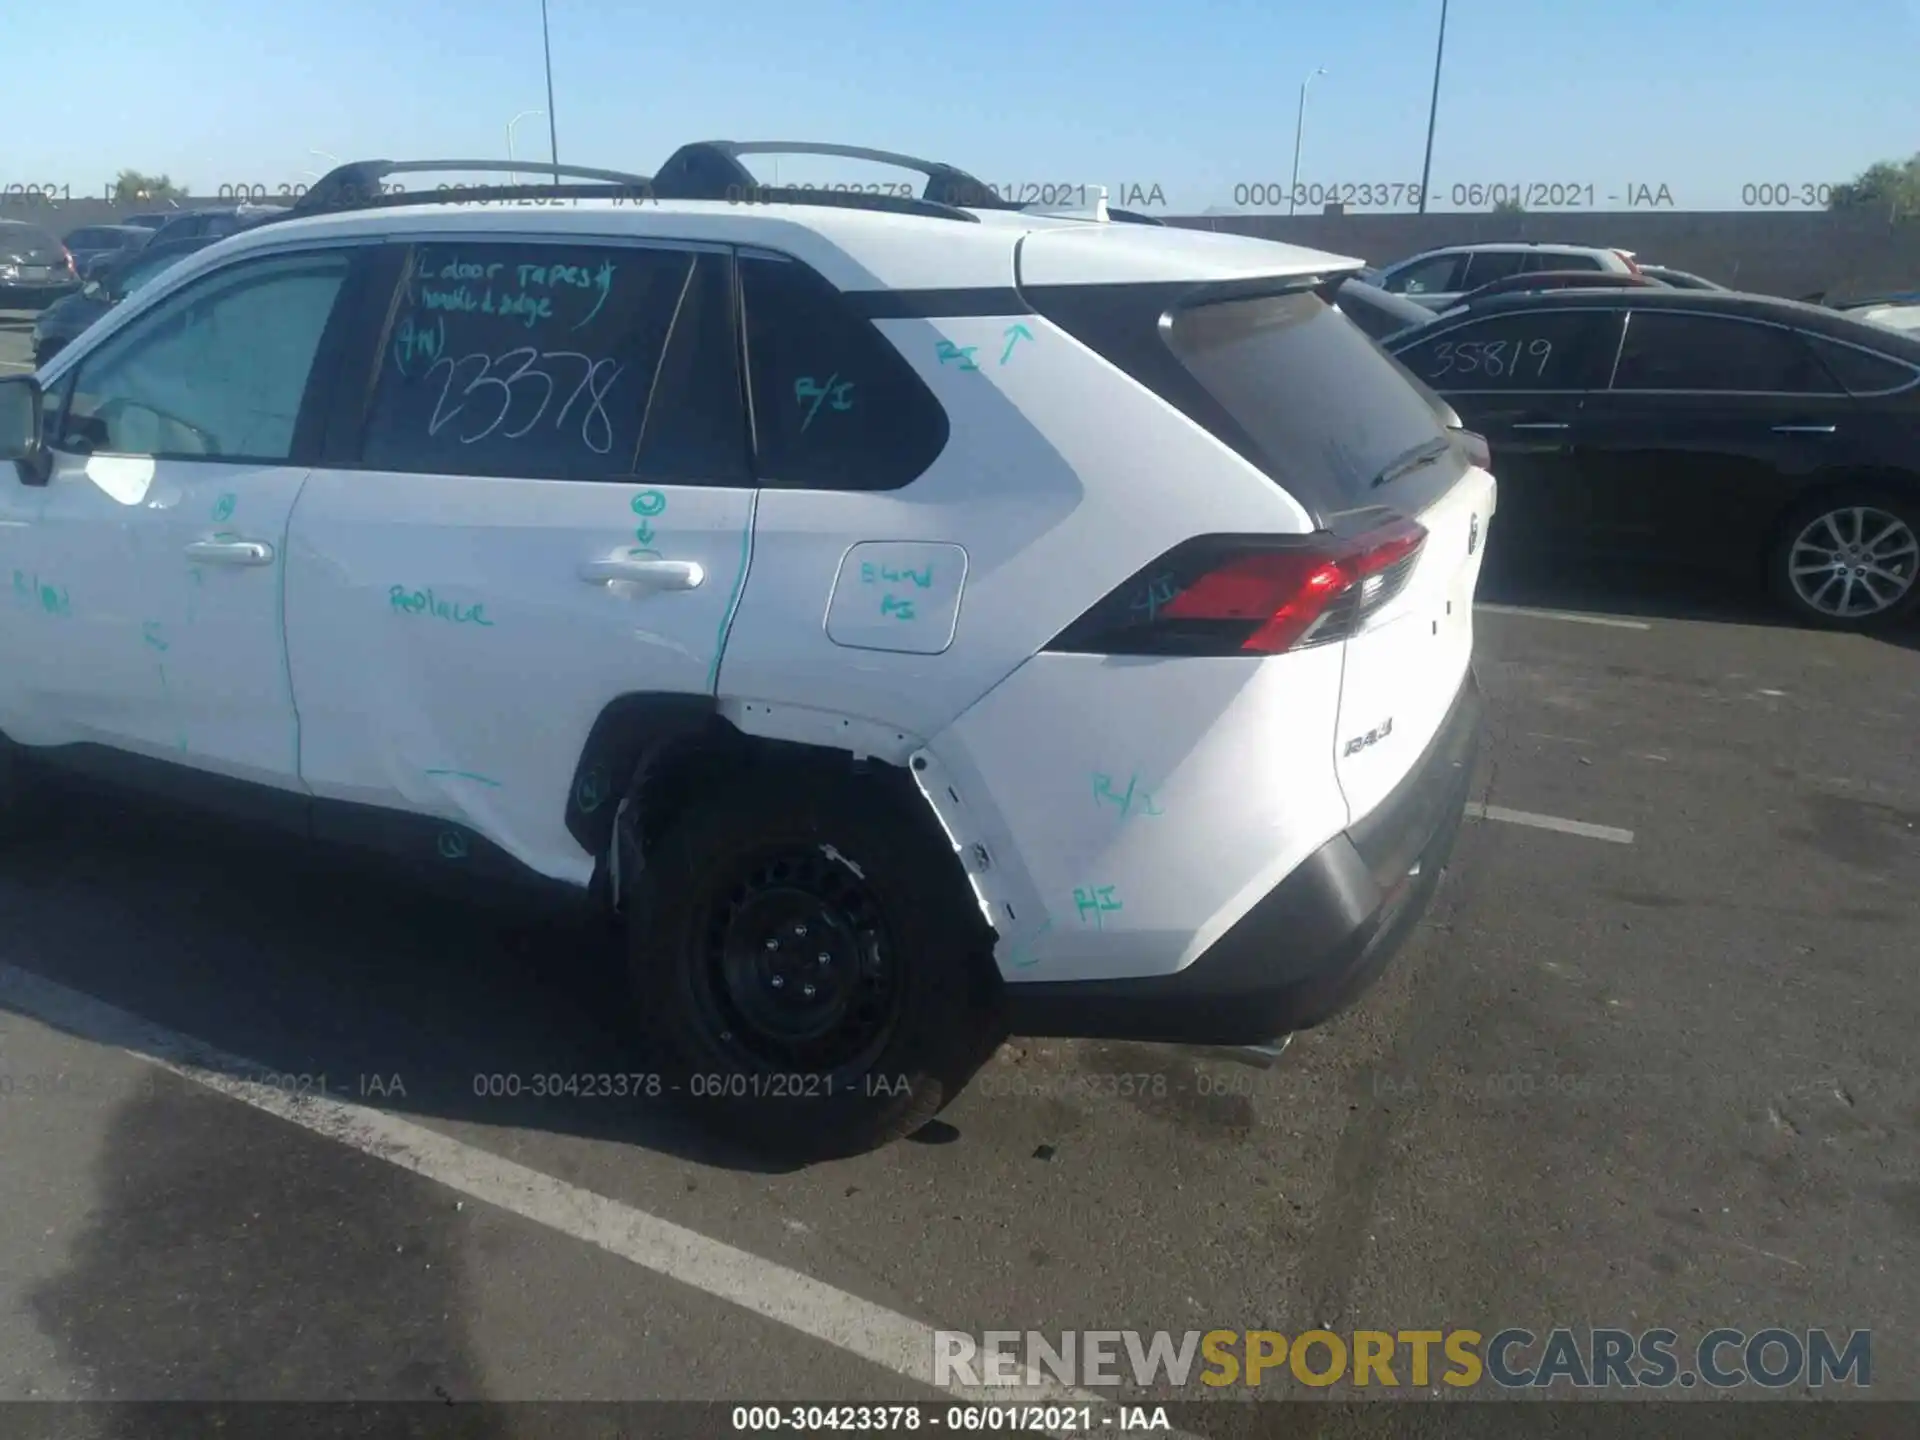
(1849, 559)
(810, 962)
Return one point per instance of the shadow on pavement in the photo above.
(1646, 592)
(313, 963)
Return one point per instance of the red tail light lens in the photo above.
(1633, 267)
(1250, 595)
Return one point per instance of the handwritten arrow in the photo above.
(1015, 334)
(645, 533)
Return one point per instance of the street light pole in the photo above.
(1433, 110)
(1299, 126)
(515, 177)
(553, 141)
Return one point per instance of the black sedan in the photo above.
(59, 324)
(1710, 429)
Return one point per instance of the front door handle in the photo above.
(654, 574)
(1803, 429)
(231, 552)
(1539, 425)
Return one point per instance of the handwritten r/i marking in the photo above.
(1095, 901)
(1103, 794)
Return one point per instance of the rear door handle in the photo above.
(1539, 425)
(1803, 429)
(231, 552)
(654, 574)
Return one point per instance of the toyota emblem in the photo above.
(1473, 535)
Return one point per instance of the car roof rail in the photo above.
(359, 185)
(711, 170)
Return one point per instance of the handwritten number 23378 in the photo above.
(597, 377)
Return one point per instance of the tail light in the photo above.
(1633, 266)
(1250, 594)
(73, 269)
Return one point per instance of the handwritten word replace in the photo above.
(424, 602)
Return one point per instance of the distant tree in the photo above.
(1508, 205)
(1890, 185)
(131, 185)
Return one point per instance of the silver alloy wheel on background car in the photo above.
(1853, 562)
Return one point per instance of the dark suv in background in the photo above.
(216, 223)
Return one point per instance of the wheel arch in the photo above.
(648, 753)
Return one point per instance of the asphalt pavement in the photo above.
(1648, 1061)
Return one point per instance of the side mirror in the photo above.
(22, 406)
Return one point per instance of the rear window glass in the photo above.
(93, 239)
(1327, 410)
(19, 239)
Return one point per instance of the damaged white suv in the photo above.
(915, 619)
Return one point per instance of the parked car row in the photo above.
(38, 268)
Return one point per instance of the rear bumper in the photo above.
(1313, 944)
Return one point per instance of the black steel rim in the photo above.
(797, 973)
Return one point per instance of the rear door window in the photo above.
(1437, 276)
(1521, 350)
(561, 362)
(1672, 351)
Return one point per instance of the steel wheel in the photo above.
(1854, 562)
(799, 973)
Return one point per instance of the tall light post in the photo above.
(553, 140)
(1299, 126)
(1433, 110)
(514, 176)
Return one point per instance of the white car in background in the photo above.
(1437, 278)
(1902, 313)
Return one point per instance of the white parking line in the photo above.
(872, 1332)
(1550, 822)
(16, 364)
(1607, 620)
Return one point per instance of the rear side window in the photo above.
(1486, 266)
(835, 405)
(1325, 410)
(1861, 372)
(1522, 350)
(93, 239)
(1563, 260)
(1715, 353)
(560, 362)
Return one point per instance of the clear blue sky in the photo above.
(1703, 96)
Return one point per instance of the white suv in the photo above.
(913, 622)
(1437, 278)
